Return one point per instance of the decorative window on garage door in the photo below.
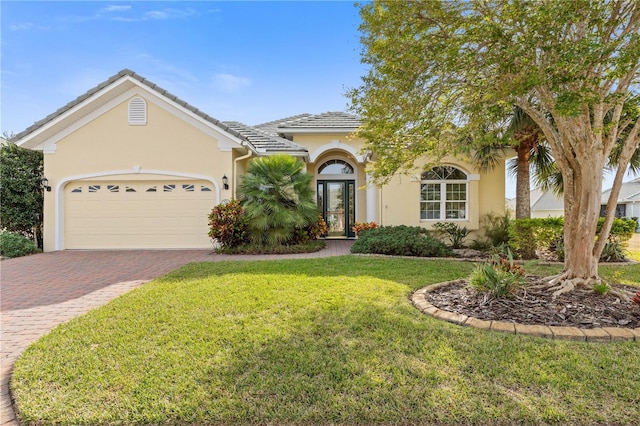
(159, 187)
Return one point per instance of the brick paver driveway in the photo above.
(41, 291)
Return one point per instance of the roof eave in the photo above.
(316, 130)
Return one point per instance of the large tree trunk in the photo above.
(582, 198)
(579, 236)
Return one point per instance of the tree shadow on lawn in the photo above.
(370, 364)
(358, 354)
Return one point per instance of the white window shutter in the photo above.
(137, 111)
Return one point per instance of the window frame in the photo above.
(442, 185)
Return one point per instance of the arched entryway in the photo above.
(336, 191)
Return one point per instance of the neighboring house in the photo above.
(543, 204)
(628, 204)
(546, 204)
(133, 166)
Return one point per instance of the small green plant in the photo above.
(500, 276)
(613, 250)
(252, 248)
(454, 232)
(601, 288)
(557, 247)
(16, 245)
(496, 228)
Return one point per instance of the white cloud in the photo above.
(127, 13)
(27, 26)
(169, 14)
(230, 83)
(115, 8)
(156, 14)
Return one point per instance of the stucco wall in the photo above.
(400, 198)
(327, 147)
(108, 145)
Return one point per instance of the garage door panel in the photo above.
(125, 215)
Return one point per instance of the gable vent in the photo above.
(137, 111)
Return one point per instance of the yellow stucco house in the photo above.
(131, 166)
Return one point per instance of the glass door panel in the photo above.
(336, 198)
(335, 213)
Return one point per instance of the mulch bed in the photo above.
(581, 308)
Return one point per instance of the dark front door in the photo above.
(337, 199)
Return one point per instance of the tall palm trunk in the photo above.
(523, 187)
(527, 133)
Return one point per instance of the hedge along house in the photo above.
(132, 166)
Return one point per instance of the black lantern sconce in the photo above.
(45, 184)
(225, 182)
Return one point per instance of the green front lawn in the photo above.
(326, 341)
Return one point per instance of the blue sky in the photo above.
(247, 61)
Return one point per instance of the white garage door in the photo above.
(127, 215)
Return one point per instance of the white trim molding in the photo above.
(336, 144)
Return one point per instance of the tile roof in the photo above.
(327, 120)
(272, 126)
(263, 138)
(264, 141)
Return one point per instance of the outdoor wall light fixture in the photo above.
(45, 184)
(225, 182)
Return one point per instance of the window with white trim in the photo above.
(137, 111)
(335, 167)
(444, 194)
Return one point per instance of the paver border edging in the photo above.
(602, 334)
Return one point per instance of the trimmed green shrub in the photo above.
(528, 235)
(623, 228)
(21, 191)
(400, 241)
(16, 245)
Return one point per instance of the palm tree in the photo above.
(528, 140)
(528, 136)
(547, 176)
(277, 198)
(535, 160)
